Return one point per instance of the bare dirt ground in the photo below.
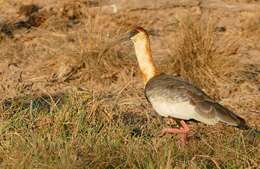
(53, 49)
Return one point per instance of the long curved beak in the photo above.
(125, 37)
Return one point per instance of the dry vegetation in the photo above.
(61, 108)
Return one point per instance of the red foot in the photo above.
(183, 131)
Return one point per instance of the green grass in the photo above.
(65, 136)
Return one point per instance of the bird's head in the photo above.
(138, 33)
(135, 34)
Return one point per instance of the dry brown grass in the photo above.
(209, 60)
(101, 118)
(202, 56)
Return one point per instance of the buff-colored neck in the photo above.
(144, 56)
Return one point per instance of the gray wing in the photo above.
(180, 91)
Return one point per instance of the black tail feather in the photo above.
(244, 126)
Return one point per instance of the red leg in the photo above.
(183, 131)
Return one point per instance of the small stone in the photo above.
(220, 29)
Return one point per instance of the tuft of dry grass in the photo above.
(202, 56)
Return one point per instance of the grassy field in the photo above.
(84, 132)
(65, 104)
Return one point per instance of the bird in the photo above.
(173, 97)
